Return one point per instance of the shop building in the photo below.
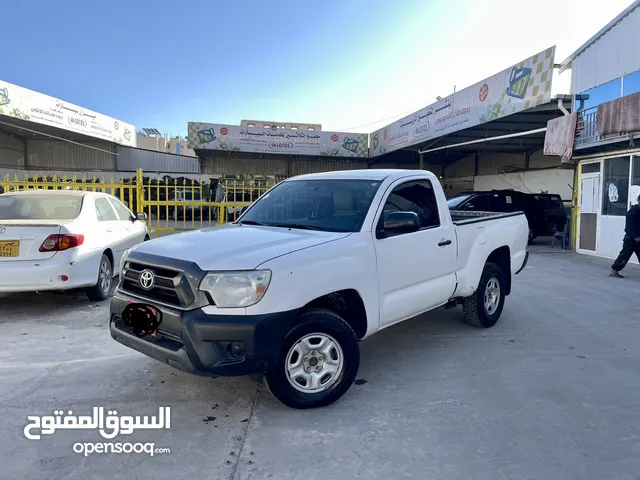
(606, 142)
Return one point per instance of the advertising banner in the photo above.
(517, 88)
(24, 104)
(211, 136)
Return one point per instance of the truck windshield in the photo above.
(39, 207)
(331, 205)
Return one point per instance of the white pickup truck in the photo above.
(316, 264)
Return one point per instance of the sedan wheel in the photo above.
(101, 290)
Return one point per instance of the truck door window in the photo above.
(414, 196)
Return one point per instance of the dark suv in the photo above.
(553, 211)
(541, 219)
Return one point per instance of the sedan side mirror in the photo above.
(401, 222)
(141, 216)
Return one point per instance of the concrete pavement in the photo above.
(551, 392)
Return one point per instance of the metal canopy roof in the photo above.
(528, 120)
(37, 131)
(567, 63)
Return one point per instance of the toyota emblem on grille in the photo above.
(2, 229)
(147, 279)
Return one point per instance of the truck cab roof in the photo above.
(364, 174)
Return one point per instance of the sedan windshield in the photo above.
(331, 205)
(454, 202)
(39, 207)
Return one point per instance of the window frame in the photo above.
(380, 220)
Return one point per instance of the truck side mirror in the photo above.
(401, 222)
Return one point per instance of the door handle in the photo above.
(444, 243)
(108, 230)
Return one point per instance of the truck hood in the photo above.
(235, 247)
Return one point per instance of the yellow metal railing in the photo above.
(169, 205)
(13, 183)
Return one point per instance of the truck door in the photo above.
(416, 271)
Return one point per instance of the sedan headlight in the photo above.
(123, 260)
(236, 289)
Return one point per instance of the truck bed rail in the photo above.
(466, 218)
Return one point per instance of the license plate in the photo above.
(153, 310)
(10, 248)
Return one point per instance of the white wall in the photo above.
(616, 53)
(150, 143)
(610, 235)
(459, 176)
(533, 181)
(492, 163)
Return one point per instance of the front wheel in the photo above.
(101, 290)
(318, 363)
(484, 307)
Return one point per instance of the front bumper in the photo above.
(207, 345)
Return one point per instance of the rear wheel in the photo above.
(318, 363)
(484, 307)
(101, 290)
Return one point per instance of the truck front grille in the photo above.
(170, 287)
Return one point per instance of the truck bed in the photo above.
(466, 218)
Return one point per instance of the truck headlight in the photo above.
(236, 289)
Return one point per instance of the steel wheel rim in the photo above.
(492, 296)
(105, 276)
(314, 363)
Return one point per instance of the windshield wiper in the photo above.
(297, 225)
(249, 222)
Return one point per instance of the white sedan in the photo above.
(64, 239)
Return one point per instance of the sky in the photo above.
(350, 65)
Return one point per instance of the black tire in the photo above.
(101, 290)
(474, 310)
(146, 238)
(316, 321)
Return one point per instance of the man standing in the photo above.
(631, 242)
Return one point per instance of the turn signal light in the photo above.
(58, 243)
